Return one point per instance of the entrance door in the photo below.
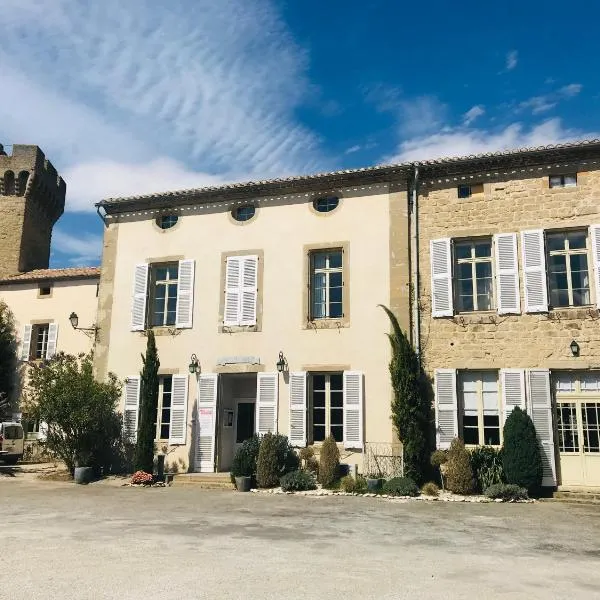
(244, 421)
(578, 429)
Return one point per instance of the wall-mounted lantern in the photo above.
(194, 366)
(282, 365)
(574, 348)
(89, 331)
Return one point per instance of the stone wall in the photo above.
(32, 198)
(510, 202)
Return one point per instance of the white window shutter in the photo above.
(595, 238)
(248, 290)
(185, 294)
(267, 393)
(441, 278)
(298, 409)
(179, 398)
(206, 423)
(233, 274)
(353, 409)
(539, 407)
(446, 407)
(507, 273)
(131, 410)
(513, 390)
(534, 271)
(26, 344)
(138, 303)
(52, 339)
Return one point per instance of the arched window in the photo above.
(23, 177)
(9, 183)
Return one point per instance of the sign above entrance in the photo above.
(238, 360)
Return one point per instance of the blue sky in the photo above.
(142, 96)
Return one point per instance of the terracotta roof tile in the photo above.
(53, 274)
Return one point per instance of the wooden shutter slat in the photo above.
(507, 273)
(267, 392)
(298, 408)
(26, 344)
(185, 294)
(539, 407)
(231, 313)
(513, 390)
(204, 457)
(179, 399)
(595, 240)
(138, 305)
(248, 290)
(534, 271)
(441, 278)
(131, 408)
(52, 340)
(353, 409)
(446, 407)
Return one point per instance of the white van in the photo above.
(11, 442)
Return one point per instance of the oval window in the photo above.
(244, 213)
(326, 204)
(167, 221)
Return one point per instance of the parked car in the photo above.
(11, 442)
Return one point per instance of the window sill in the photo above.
(162, 330)
(476, 317)
(573, 312)
(326, 323)
(238, 328)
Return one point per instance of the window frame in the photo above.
(36, 329)
(473, 260)
(562, 183)
(160, 408)
(151, 294)
(328, 408)
(481, 427)
(327, 271)
(567, 252)
(165, 222)
(236, 212)
(328, 200)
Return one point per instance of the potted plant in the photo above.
(83, 473)
(439, 458)
(243, 467)
(373, 481)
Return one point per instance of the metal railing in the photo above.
(383, 460)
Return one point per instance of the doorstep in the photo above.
(207, 481)
(576, 495)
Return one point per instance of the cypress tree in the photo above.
(521, 457)
(144, 449)
(8, 359)
(411, 408)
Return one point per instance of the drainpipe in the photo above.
(414, 262)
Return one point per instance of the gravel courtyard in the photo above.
(76, 542)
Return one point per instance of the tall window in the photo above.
(326, 284)
(326, 406)
(480, 408)
(473, 275)
(39, 341)
(163, 412)
(568, 273)
(163, 294)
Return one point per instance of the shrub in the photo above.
(438, 458)
(308, 460)
(411, 406)
(459, 475)
(275, 458)
(430, 489)
(141, 478)
(298, 481)
(401, 486)
(245, 457)
(521, 457)
(486, 463)
(506, 492)
(329, 463)
(353, 486)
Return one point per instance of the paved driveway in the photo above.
(59, 540)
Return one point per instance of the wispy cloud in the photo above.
(473, 113)
(512, 59)
(213, 85)
(466, 141)
(79, 250)
(546, 102)
(353, 149)
(421, 114)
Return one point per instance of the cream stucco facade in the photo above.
(283, 232)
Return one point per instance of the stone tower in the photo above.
(32, 198)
